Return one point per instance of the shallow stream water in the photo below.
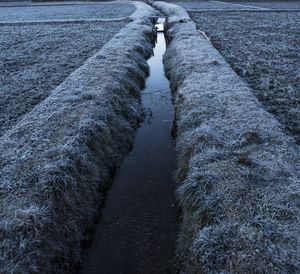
(139, 222)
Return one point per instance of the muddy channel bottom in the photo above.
(139, 222)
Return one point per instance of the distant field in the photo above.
(66, 12)
(263, 48)
(227, 5)
(35, 58)
(271, 4)
(208, 5)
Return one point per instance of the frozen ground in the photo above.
(66, 12)
(271, 4)
(263, 48)
(237, 5)
(36, 58)
(208, 5)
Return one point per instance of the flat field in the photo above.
(35, 58)
(270, 4)
(263, 48)
(210, 5)
(65, 12)
(237, 5)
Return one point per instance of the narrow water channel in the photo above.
(138, 226)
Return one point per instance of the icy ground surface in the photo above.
(208, 5)
(67, 12)
(37, 58)
(272, 5)
(263, 48)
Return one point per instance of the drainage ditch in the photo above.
(139, 221)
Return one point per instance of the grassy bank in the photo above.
(56, 162)
(237, 170)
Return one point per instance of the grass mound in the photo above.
(262, 48)
(36, 58)
(237, 170)
(56, 162)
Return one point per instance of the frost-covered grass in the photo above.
(207, 5)
(54, 12)
(263, 48)
(56, 162)
(36, 58)
(270, 4)
(237, 170)
(237, 5)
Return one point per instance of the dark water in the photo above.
(139, 224)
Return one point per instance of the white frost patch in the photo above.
(174, 14)
(141, 11)
(238, 172)
(55, 163)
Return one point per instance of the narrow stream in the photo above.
(138, 226)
